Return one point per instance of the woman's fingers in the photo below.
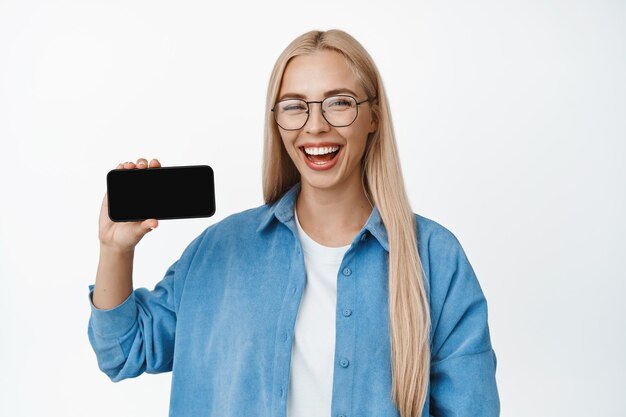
(142, 163)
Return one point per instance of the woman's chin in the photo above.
(317, 182)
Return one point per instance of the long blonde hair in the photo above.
(409, 313)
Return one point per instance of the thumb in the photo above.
(148, 225)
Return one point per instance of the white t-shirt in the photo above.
(313, 351)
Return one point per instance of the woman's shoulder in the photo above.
(433, 234)
(244, 218)
(229, 232)
(238, 223)
(440, 250)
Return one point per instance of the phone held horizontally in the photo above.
(180, 192)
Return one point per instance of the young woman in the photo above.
(331, 299)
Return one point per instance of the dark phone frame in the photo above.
(130, 171)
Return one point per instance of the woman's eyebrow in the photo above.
(326, 94)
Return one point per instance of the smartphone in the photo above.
(180, 192)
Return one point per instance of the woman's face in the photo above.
(315, 77)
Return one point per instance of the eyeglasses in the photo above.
(339, 111)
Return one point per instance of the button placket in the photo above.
(343, 378)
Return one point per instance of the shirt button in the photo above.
(293, 291)
(344, 362)
(363, 237)
(347, 312)
(347, 271)
(286, 336)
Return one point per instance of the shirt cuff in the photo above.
(113, 322)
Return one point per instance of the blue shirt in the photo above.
(222, 320)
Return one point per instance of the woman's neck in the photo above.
(332, 217)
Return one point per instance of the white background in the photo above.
(511, 123)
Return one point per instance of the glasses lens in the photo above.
(340, 110)
(291, 114)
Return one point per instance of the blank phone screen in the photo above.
(161, 193)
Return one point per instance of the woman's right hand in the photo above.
(124, 236)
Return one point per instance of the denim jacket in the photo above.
(222, 320)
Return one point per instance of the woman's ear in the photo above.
(373, 122)
(374, 110)
(373, 126)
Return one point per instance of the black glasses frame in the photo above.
(308, 109)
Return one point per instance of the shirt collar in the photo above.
(283, 210)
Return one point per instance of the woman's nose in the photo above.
(316, 123)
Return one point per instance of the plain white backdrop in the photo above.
(510, 118)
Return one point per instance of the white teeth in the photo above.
(321, 151)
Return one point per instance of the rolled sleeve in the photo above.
(113, 322)
(465, 386)
(138, 335)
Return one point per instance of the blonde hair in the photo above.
(409, 313)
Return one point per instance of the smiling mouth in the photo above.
(321, 159)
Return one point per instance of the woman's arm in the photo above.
(138, 335)
(463, 362)
(117, 247)
(114, 278)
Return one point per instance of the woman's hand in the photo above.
(124, 236)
